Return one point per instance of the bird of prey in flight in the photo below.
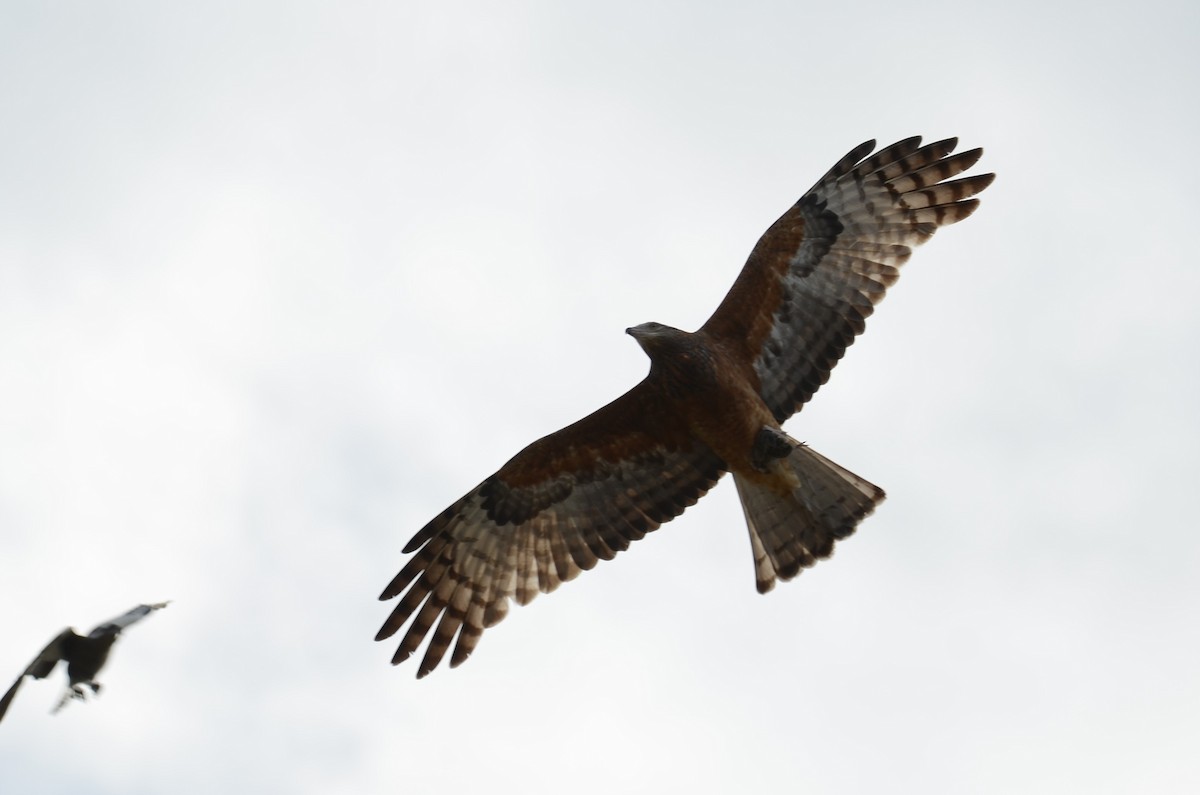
(713, 402)
(85, 655)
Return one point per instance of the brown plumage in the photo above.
(85, 655)
(712, 402)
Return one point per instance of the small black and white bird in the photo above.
(84, 655)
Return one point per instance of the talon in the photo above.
(769, 445)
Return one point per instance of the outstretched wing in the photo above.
(816, 274)
(577, 496)
(115, 625)
(40, 668)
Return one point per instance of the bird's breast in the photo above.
(717, 399)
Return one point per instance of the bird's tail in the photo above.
(70, 694)
(795, 518)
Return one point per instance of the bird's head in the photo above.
(653, 336)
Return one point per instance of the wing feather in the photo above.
(41, 666)
(115, 625)
(817, 273)
(568, 500)
(9, 695)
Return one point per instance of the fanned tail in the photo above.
(791, 528)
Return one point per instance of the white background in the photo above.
(280, 281)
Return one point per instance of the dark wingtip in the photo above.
(946, 144)
(393, 588)
(389, 627)
(967, 208)
(969, 157)
(856, 154)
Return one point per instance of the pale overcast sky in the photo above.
(280, 281)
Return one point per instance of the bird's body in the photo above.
(85, 656)
(713, 402)
(715, 394)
